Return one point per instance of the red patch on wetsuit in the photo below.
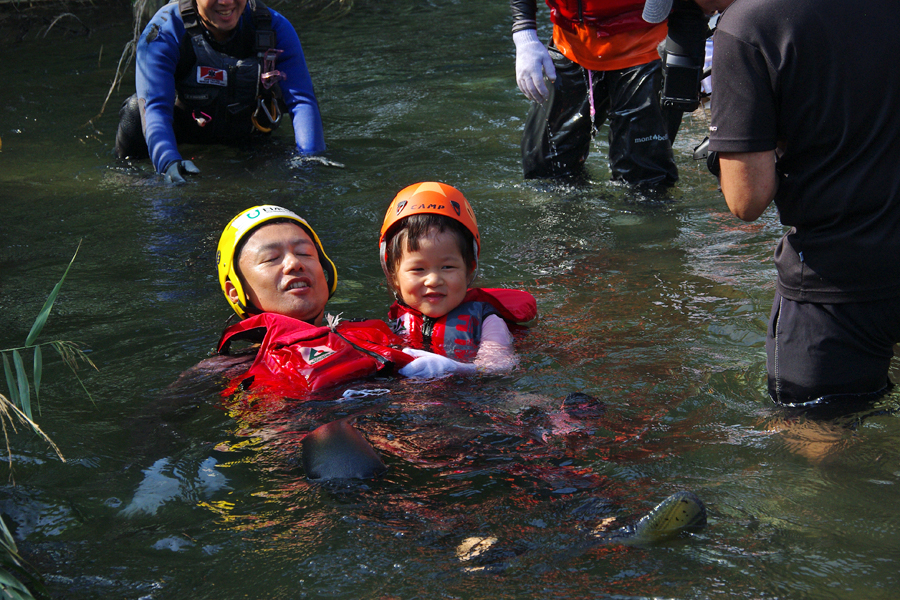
(212, 76)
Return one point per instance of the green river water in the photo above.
(655, 306)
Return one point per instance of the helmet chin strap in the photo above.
(321, 315)
(475, 270)
(249, 308)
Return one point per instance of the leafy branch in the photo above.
(19, 404)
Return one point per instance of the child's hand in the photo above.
(429, 365)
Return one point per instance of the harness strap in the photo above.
(189, 17)
(265, 35)
(262, 20)
(591, 95)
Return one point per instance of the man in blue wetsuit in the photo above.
(215, 71)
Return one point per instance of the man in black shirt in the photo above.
(805, 114)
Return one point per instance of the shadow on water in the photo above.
(654, 305)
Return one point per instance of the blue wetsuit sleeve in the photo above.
(157, 56)
(297, 88)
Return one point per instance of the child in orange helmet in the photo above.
(429, 249)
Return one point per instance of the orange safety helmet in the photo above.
(429, 197)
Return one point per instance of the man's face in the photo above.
(282, 274)
(220, 17)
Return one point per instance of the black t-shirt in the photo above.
(819, 78)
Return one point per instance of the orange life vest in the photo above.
(607, 17)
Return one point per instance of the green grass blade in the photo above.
(45, 311)
(87, 393)
(24, 390)
(12, 588)
(38, 371)
(7, 541)
(10, 382)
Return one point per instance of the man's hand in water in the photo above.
(429, 365)
(315, 159)
(177, 170)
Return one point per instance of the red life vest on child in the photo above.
(458, 333)
(607, 17)
(296, 357)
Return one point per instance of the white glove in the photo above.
(532, 62)
(429, 365)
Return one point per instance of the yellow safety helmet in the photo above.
(242, 225)
(429, 197)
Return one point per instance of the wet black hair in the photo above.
(407, 234)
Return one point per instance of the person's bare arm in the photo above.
(215, 368)
(749, 182)
(496, 352)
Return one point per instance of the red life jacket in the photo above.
(458, 333)
(296, 357)
(607, 17)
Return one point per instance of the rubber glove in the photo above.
(532, 62)
(175, 172)
(310, 159)
(702, 152)
(429, 365)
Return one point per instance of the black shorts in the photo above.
(817, 353)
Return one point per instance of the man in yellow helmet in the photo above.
(277, 277)
(282, 261)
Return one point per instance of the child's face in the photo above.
(434, 278)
